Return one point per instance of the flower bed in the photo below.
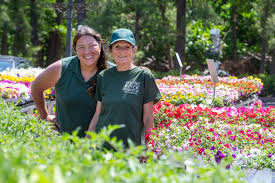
(185, 122)
(243, 136)
(199, 89)
(15, 84)
(30, 151)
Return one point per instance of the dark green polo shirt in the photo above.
(123, 95)
(74, 107)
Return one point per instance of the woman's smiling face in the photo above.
(123, 52)
(88, 50)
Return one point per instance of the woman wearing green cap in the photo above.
(125, 94)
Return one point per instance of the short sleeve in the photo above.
(151, 90)
(98, 93)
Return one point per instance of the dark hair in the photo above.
(102, 60)
(87, 31)
(91, 91)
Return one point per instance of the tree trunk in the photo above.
(40, 56)
(15, 45)
(33, 14)
(16, 39)
(81, 12)
(181, 30)
(137, 28)
(4, 43)
(264, 41)
(169, 57)
(54, 47)
(34, 36)
(59, 14)
(235, 17)
(273, 62)
(165, 23)
(18, 16)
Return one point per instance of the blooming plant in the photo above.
(188, 89)
(243, 136)
(30, 151)
(184, 120)
(15, 84)
(199, 89)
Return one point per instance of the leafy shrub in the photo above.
(269, 84)
(31, 152)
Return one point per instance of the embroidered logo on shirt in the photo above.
(131, 87)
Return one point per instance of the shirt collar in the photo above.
(75, 68)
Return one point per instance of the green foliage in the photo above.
(153, 22)
(198, 42)
(159, 75)
(268, 83)
(248, 38)
(155, 29)
(31, 152)
(173, 72)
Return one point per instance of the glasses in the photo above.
(89, 47)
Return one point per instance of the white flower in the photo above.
(255, 151)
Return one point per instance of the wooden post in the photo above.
(214, 76)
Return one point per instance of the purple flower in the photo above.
(233, 155)
(212, 148)
(227, 166)
(219, 156)
(234, 148)
(269, 155)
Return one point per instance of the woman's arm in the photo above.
(95, 117)
(148, 117)
(48, 78)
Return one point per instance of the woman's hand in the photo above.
(52, 120)
(148, 117)
(47, 79)
(145, 68)
(94, 119)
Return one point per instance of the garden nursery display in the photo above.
(194, 139)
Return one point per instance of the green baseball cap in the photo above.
(123, 35)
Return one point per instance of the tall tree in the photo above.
(234, 29)
(21, 27)
(34, 25)
(5, 28)
(266, 9)
(272, 72)
(54, 45)
(81, 12)
(271, 39)
(163, 8)
(181, 30)
(137, 23)
(4, 42)
(33, 14)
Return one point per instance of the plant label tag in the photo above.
(179, 60)
(212, 70)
